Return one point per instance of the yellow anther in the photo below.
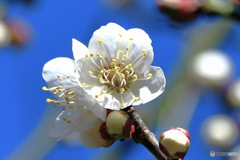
(64, 118)
(44, 88)
(117, 58)
(131, 70)
(98, 54)
(49, 100)
(104, 91)
(58, 76)
(69, 121)
(67, 99)
(90, 72)
(134, 76)
(49, 90)
(68, 76)
(55, 105)
(144, 52)
(130, 38)
(91, 54)
(64, 109)
(86, 55)
(114, 60)
(124, 56)
(122, 90)
(84, 84)
(101, 57)
(121, 51)
(149, 74)
(58, 96)
(130, 65)
(59, 87)
(97, 95)
(54, 93)
(100, 40)
(123, 105)
(136, 98)
(123, 76)
(71, 106)
(127, 72)
(120, 34)
(60, 79)
(127, 48)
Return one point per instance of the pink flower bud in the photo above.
(175, 143)
(119, 125)
(180, 10)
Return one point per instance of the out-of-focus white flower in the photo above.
(211, 68)
(175, 143)
(220, 131)
(5, 35)
(116, 67)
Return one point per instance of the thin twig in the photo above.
(143, 135)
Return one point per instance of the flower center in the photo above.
(118, 76)
(114, 73)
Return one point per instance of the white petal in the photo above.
(85, 77)
(139, 35)
(109, 101)
(127, 99)
(110, 36)
(59, 128)
(90, 103)
(58, 66)
(140, 42)
(79, 49)
(92, 137)
(82, 120)
(148, 90)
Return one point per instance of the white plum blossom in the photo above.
(114, 72)
(116, 67)
(72, 99)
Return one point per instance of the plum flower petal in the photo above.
(77, 120)
(78, 49)
(151, 88)
(54, 68)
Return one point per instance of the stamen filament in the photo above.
(90, 65)
(95, 63)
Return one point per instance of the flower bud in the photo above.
(96, 137)
(175, 143)
(180, 10)
(119, 125)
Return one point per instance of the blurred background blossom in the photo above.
(197, 49)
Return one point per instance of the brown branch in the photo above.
(143, 135)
